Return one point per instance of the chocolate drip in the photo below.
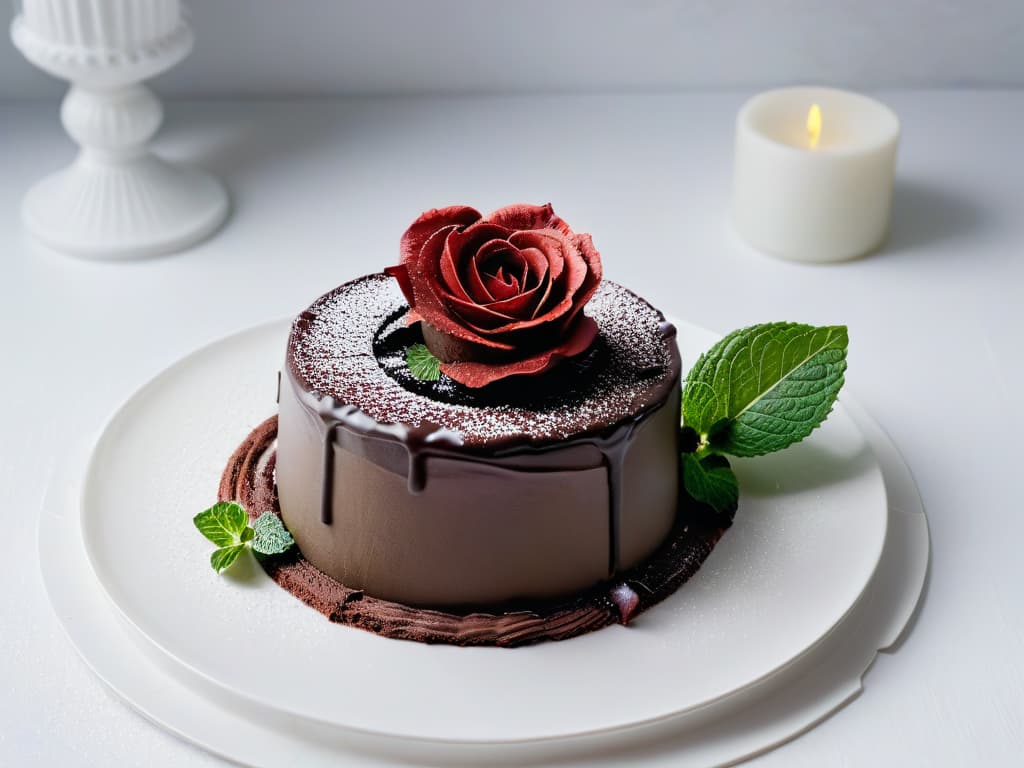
(429, 440)
(327, 483)
(420, 442)
(613, 452)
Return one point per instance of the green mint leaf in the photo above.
(422, 363)
(223, 558)
(271, 537)
(224, 523)
(763, 388)
(711, 481)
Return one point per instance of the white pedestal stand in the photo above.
(117, 200)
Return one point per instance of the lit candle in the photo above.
(813, 173)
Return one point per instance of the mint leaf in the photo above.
(763, 388)
(422, 363)
(223, 558)
(710, 481)
(224, 523)
(271, 537)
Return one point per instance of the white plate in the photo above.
(760, 717)
(807, 540)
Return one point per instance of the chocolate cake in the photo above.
(451, 498)
(480, 445)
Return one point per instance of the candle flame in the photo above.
(814, 125)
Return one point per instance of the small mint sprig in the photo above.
(226, 524)
(422, 363)
(758, 390)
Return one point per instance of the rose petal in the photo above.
(535, 267)
(480, 318)
(520, 306)
(424, 268)
(401, 273)
(428, 223)
(501, 286)
(458, 255)
(503, 313)
(525, 216)
(586, 249)
(413, 274)
(450, 274)
(553, 263)
(452, 324)
(481, 374)
(533, 294)
(490, 253)
(433, 300)
(549, 242)
(458, 275)
(562, 291)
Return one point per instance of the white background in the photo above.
(260, 47)
(323, 188)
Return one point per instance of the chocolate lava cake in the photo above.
(525, 488)
(436, 495)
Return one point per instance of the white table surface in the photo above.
(322, 192)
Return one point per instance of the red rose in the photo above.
(500, 295)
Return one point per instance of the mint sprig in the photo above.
(758, 390)
(711, 481)
(271, 537)
(226, 524)
(223, 558)
(422, 363)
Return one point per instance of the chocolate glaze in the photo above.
(327, 475)
(249, 479)
(428, 440)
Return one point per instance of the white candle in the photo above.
(813, 173)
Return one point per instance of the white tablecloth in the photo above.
(322, 192)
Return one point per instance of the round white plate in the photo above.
(806, 543)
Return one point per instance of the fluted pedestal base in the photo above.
(117, 200)
(144, 207)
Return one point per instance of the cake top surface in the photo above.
(350, 345)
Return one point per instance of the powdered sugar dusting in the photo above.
(331, 350)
